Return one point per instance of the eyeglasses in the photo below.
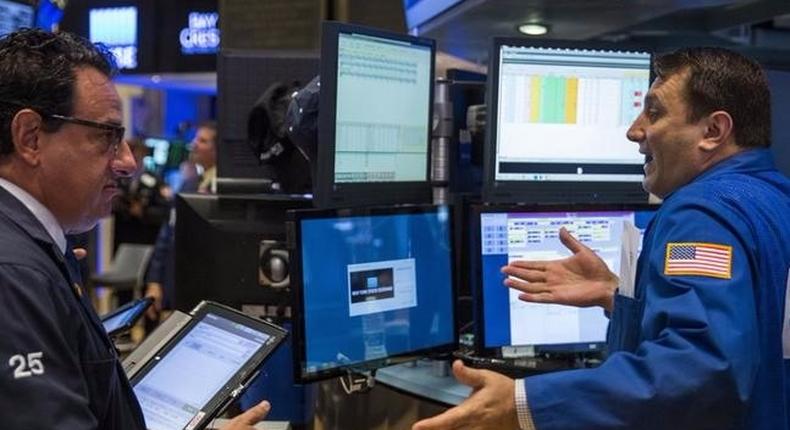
(112, 138)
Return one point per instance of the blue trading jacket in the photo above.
(699, 346)
(59, 368)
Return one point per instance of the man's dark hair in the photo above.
(720, 79)
(38, 71)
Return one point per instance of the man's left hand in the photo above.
(582, 279)
(491, 405)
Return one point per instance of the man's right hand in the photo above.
(491, 405)
(582, 279)
(250, 417)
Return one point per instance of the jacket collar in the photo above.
(748, 161)
(16, 213)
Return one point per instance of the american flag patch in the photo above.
(699, 259)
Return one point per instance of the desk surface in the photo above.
(420, 378)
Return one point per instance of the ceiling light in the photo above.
(533, 29)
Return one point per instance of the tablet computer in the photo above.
(154, 342)
(204, 367)
(123, 318)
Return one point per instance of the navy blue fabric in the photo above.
(82, 384)
(694, 352)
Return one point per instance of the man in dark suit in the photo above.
(61, 156)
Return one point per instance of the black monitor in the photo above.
(374, 117)
(558, 115)
(15, 14)
(231, 249)
(503, 233)
(370, 285)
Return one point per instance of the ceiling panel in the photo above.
(465, 29)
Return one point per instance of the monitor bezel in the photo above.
(476, 275)
(239, 381)
(533, 192)
(326, 192)
(294, 232)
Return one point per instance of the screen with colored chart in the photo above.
(562, 114)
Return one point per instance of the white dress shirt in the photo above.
(522, 407)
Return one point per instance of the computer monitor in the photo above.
(374, 117)
(158, 149)
(164, 154)
(508, 232)
(558, 115)
(370, 285)
(15, 15)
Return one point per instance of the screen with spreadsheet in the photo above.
(186, 378)
(509, 234)
(383, 108)
(562, 113)
(374, 117)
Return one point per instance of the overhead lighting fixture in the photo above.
(533, 29)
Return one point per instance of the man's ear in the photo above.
(25, 133)
(718, 130)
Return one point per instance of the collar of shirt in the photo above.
(42, 214)
(208, 183)
(747, 161)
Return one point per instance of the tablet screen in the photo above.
(192, 372)
(123, 318)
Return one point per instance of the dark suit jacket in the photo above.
(59, 368)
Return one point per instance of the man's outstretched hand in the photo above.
(582, 279)
(492, 404)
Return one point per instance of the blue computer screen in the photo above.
(375, 286)
(508, 236)
(115, 322)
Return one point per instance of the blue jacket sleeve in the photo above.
(695, 348)
(41, 382)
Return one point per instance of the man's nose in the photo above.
(636, 132)
(124, 164)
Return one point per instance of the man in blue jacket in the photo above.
(61, 155)
(700, 345)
